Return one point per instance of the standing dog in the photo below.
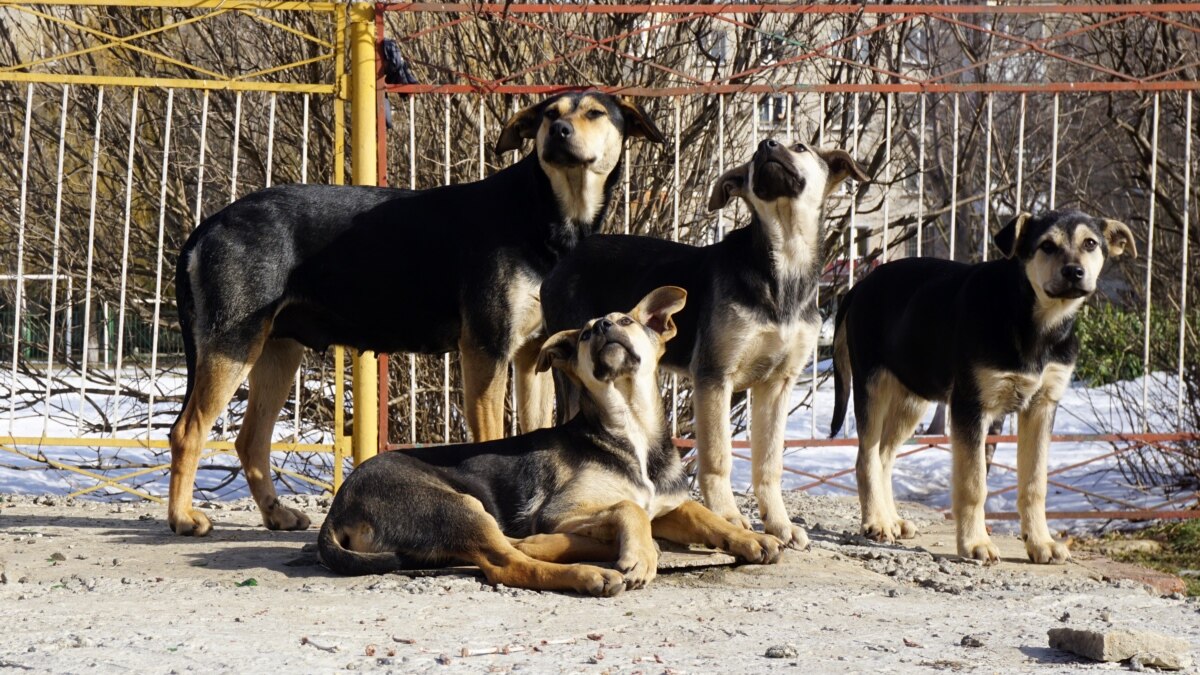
(595, 489)
(455, 267)
(989, 339)
(753, 317)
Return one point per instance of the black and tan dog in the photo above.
(594, 489)
(989, 339)
(752, 321)
(455, 267)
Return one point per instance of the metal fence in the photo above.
(123, 124)
(965, 115)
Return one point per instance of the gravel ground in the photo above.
(100, 587)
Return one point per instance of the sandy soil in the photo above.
(101, 587)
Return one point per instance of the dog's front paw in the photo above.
(280, 517)
(597, 581)
(189, 523)
(1047, 551)
(904, 529)
(752, 547)
(639, 567)
(880, 530)
(789, 533)
(979, 549)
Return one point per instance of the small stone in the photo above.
(782, 652)
(1066, 616)
(1144, 647)
(970, 641)
(57, 557)
(126, 580)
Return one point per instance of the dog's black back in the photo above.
(330, 280)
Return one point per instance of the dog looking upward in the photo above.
(752, 321)
(594, 489)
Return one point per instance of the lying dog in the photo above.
(989, 339)
(455, 267)
(576, 492)
(752, 322)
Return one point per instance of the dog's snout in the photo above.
(602, 326)
(1073, 272)
(561, 129)
(769, 144)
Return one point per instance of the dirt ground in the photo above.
(100, 587)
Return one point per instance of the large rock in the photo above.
(1148, 649)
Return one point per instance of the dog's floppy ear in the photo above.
(1120, 238)
(1008, 236)
(522, 125)
(655, 310)
(731, 184)
(841, 166)
(637, 123)
(558, 350)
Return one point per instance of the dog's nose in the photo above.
(769, 144)
(560, 129)
(1072, 272)
(602, 326)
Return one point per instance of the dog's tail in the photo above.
(841, 366)
(352, 563)
(186, 305)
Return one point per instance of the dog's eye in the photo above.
(1048, 247)
(800, 147)
(625, 321)
(595, 114)
(1090, 244)
(585, 335)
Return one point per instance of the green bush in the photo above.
(1111, 340)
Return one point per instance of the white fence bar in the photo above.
(675, 237)
(446, 357)
(412, 185)
(921, 180)
(158, 268)
(271, 139)
(200, 165)
(1150, 265)
(237, 137)
(852, 230)
(887, 170)
(720, 232)
(62, 140)
(954, 183)
(1054, 154)
(121, 297)
(987, 184)
(303, 179)
(19, 300)
(1020, 206)
(87, 284)
(1183, 256)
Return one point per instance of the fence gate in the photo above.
(124, 123)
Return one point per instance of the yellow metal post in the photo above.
(365, 369)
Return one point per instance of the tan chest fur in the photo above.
(1003, 392)
(754, 352)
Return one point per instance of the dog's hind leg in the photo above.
(768, 424)
(968, 426)
(898, 424)
(1034, 425)
(535, 391)
(214, 382)
(871, 404)
(270, 382)
(691, 523)
(714, 445)
(564, 547)
(485, 378)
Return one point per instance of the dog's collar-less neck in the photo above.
(629, 413)
(788, 234)
(582, 196)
